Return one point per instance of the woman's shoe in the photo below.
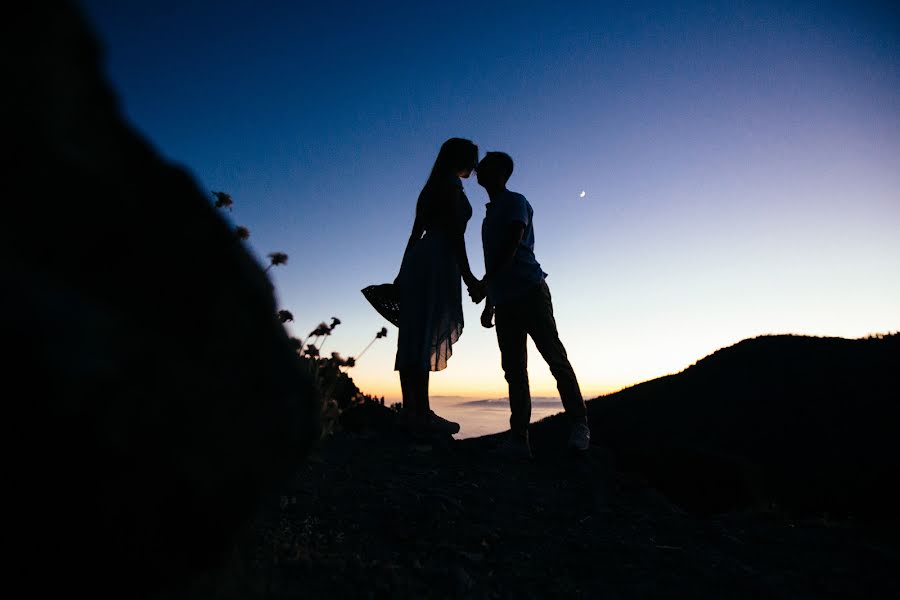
(441, 424)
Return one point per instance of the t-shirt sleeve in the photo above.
(517, 210)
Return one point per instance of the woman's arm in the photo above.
(462, 259)
(458, 239)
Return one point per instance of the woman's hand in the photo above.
(487, 316)
(477, 291)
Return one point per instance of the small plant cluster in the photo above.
(336, 389)
(224, 201)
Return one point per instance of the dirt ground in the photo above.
(374, 514)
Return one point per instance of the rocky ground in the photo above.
(374, 514)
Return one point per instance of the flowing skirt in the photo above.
(431, 315)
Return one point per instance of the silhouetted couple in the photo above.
(518, 299)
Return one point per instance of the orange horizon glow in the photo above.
(466, 383)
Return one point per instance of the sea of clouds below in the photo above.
(484, 417)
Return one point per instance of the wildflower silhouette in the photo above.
(335, 387)
(320, 330)
(343, 362)
(277, 258)
(382, 333)
(334, 323)
(223, 200)
(329, 380)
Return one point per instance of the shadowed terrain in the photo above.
(152, 395)
(374, 514)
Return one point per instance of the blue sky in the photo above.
(740, 161)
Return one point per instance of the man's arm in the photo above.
(487, 315)
(505, 258)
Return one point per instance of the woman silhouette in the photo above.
(431, 318)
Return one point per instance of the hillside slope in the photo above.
(375, 514)
(803, 423)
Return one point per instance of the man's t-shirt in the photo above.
(519, 277)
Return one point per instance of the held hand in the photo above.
(477, 291)
(487, 317)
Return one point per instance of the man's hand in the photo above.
(477, 291)
(487, 316)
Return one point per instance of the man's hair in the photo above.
(503, 160)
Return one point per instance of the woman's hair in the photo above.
(456, 154)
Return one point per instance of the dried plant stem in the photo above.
(324, 339)
(358, 356)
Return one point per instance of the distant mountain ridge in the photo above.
(535, 400)
(800, 423)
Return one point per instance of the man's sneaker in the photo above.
(441, 424)
(515, 447)
(580, 438)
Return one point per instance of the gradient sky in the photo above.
(741, 161)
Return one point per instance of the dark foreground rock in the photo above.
(151, 396)
(374, 515)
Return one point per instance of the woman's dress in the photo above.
(431, 315)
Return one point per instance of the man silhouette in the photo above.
(519, 299)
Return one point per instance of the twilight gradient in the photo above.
(740, 161)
